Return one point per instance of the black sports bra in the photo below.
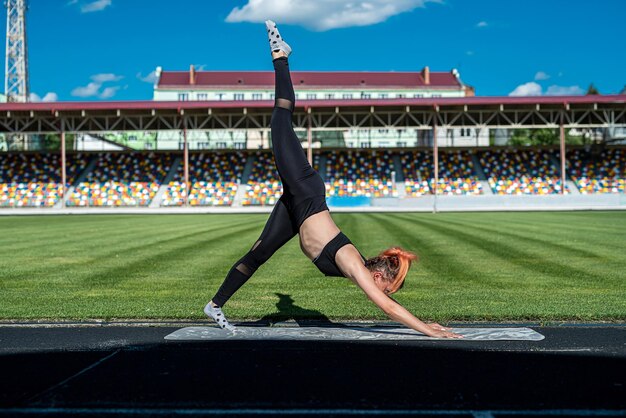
(325, 262)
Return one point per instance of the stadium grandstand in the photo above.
(376, 138)
(249, 178)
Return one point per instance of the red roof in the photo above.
(346, 79)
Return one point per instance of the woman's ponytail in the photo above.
(400, 261)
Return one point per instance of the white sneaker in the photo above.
(218, 316)
(277, 43)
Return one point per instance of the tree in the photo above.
(544, 136)
(592, 90)
(52, 142)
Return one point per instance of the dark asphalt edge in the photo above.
(475, 413)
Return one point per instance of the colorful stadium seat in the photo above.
(34, 179)
(601, 173)
(521, 172)
(122, 179)
(214, 179)
(456, 173)
(359, 173)
(264, 186)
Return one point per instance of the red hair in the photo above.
(394, 264)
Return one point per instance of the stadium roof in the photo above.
(366, 103)
(507, 112)
(336, 79)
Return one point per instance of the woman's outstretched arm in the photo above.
(349, 261)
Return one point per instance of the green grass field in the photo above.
(474, 266)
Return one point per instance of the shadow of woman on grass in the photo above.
(287, 311)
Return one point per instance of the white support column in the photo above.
(309, 137)
(63, 171)
(436, 165)
(562, 135)
(186, 161)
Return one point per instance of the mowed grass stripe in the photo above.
(474, 266)
(534, 258)
(89, 254)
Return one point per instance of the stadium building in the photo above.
(246, 86)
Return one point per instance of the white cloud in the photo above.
(533, 89)
(93, 88)
(89, 90)
(95, 6)
(109, 92)
(541, 76)
(49, 97)
(323, 15)
(527, 89)
(150, 78)
(482, 24)
(564, 91)
(104, 77)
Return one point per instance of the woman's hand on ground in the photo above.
(438, 327)
(444, 334)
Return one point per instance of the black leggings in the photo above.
(303, 189)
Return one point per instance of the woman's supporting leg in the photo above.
(290, 157)
(278, 230)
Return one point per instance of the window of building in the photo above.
(203, 145)
(418, 95)
(311, 96)
(147, 145)
(366, 144)
(401, 96)
(271, 96)
(240, 145)
(383, 131)
(401, 144)
(202, 96)
(329, 96)
(219, 96)
(465, 132)
(383, 95)
(132, 138)
(436, 95)
(347, 96)
(365, 95)
(257, 96)
(238, 96)
(220, 145)
(183, 97)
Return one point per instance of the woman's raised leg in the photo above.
(290, 157)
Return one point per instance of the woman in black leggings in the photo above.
(302, 210)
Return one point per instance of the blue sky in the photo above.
(107, 49)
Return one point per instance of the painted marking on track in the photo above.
(261, 412)
(75, 375)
